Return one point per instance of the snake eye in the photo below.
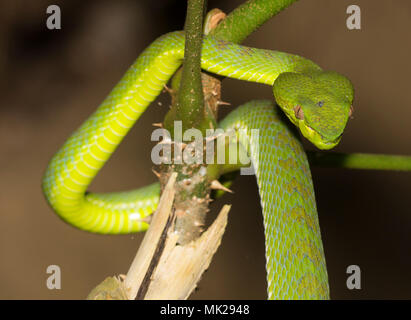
(299, 113)
(351, 112)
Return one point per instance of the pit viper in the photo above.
(317, 102)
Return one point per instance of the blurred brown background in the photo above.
(51, 80)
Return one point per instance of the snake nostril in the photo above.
(299, 113)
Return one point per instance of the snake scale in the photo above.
(316, 102)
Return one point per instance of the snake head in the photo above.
(318, 103)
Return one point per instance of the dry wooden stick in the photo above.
(162, 269)
(181, 266)
(147, 250)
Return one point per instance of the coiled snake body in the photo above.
(317, 102)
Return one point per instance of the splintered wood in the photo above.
(181, 267)
(162, 269)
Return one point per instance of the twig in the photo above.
(112, 288)
(162, 269)
(181, 266)
(189, 107)
(151, 241)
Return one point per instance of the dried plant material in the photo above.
(112, 288)
(181, 266)
(145, 253)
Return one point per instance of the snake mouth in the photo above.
(326, 145)
(316, 138)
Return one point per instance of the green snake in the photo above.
(317, 102)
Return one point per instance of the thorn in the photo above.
(214, 136)
(223, 103)
(182, 144)
(215, 184)
(198, 224)
(166, 141)
(187, 182)
(157, 174)
(169, 141)
(147, 219)
(169, 90)
(200, 200)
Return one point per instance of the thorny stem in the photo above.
(189, 106)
